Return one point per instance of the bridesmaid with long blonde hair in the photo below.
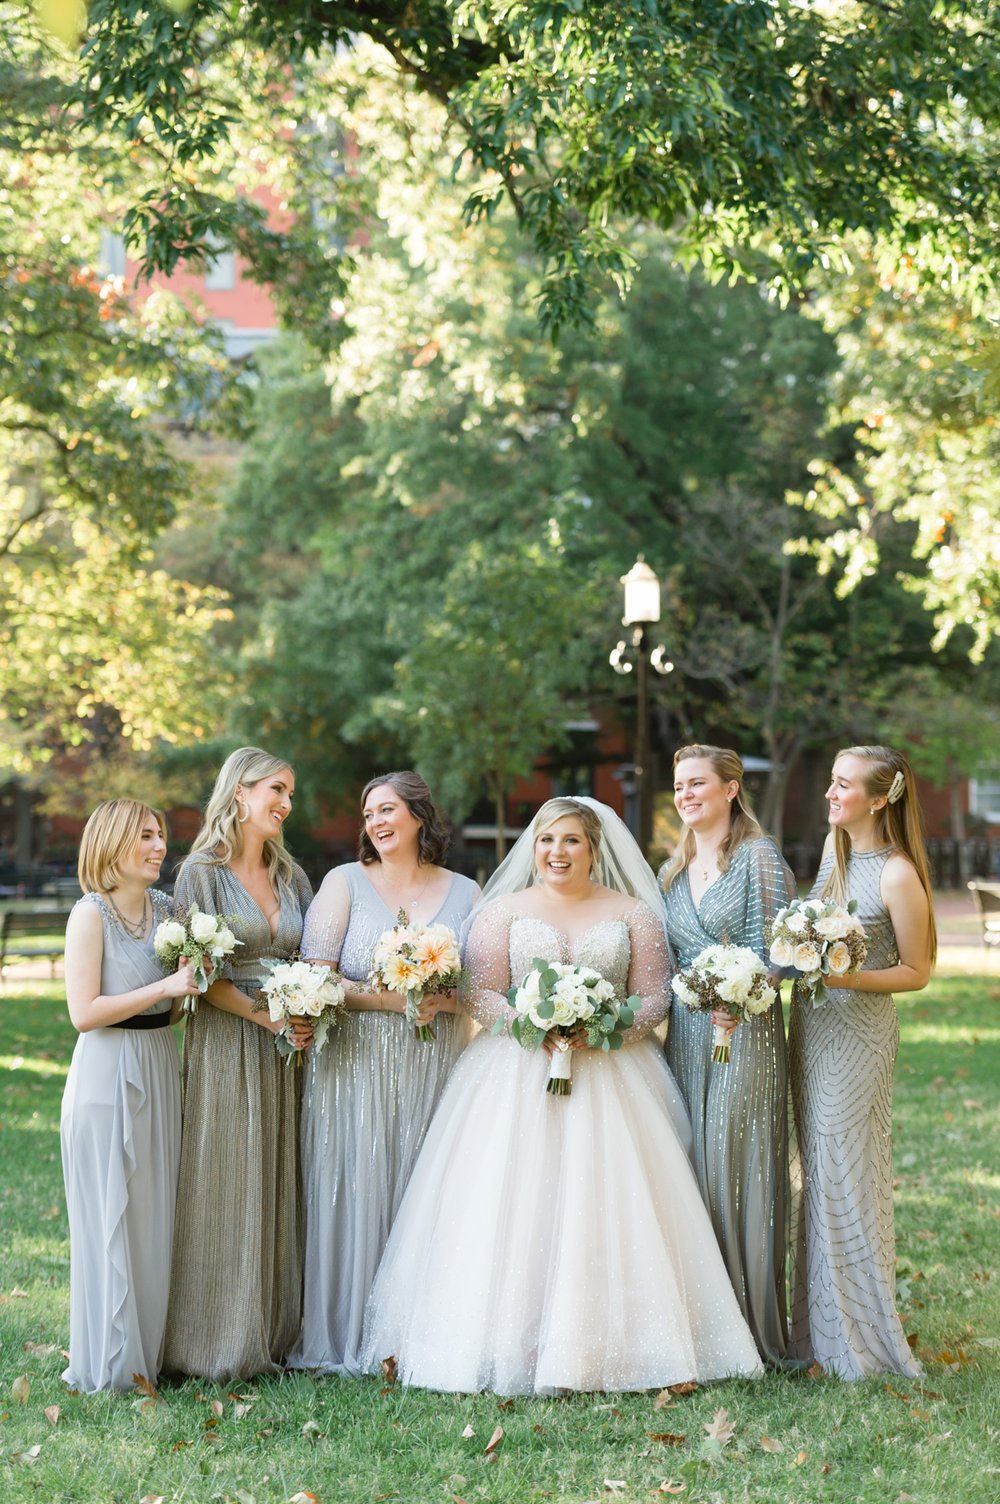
(235, 1291)
(842, 1050)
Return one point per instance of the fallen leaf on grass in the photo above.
(720, 1428)
(20, 1388)
(467, 1433)
(29, 1457)
(769, 1444)
(815, 1370)
(240, 1409)
(304, 1497)
(312, 1432)
(41, 1349)
(896, 1394)
(389, 1370)
(153, 1499)
(17, 1294)
(615, 1485)
(800, 1457)
(493, 1442)
(663, 1400)
(668, 1486)
(145, 1387)
(505, 1404)
(668, 1438)
(687, 1387)
(51, 1413)
(218, 1409)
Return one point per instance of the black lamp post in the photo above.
(642, 610)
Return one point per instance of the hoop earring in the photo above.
(245, 815)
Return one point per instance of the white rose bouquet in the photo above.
(297, 991)
(729, 977)
(416, 961)
(566, 998)
(197, 937)
(820, 939)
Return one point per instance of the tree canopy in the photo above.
(759, 133)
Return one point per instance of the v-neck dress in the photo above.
(368, 1098)
(121, 1136)
(235, 1287)
(557, 1242)
(739, 1112)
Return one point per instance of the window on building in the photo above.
(112, 254)
(220, 272)
(984, 795)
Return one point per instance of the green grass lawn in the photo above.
(797, 1439)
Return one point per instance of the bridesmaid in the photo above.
(370, 1094)
(842, 1052)
(121, 1111)
(235, 1288)
(726, 883)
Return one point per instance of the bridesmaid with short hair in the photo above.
(842, 1050)
(121, 1111)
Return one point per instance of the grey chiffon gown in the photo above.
(739, 1112)
(369, 1097)
(235, 1285)
(121, 1132)
(842, 1054)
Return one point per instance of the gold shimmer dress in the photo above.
(236, 1280)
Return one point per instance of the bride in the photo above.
(559, 1242)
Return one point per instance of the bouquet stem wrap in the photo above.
(560, 1082)
(720, 1045)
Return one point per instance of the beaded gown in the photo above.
(739, 1111)
(557, 1242)
(236, 1279)
(121, 1133)
(369, 1096)
(842, 1054)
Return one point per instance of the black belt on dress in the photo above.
(144, 1021)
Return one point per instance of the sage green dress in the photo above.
(236, 1278)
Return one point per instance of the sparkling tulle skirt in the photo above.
(550, 1243)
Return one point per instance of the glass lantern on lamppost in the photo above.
(642, 610)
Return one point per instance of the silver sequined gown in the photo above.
(369, 1096)
(739, 1111)
(842, 1053)
(557, 1242)
(121, 1137)
(236, 1279)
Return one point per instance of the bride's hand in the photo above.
(556, 1040)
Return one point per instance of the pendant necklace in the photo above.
(135, 928)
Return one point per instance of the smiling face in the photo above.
(144, 862)
(390, 824)
(267, 804)
(849, 803)
(703, 800)
(562, 855)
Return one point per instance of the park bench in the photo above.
(31, 935)
(986, 897)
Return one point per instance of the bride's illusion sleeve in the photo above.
(650, 969)
(487, 961)
(326, 921)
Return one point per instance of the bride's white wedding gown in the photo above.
(550, 1242)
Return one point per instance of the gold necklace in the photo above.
(135, 928)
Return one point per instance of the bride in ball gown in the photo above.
(548, 1242)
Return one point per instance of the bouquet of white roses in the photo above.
(197, 936)
(416, 961)
(821, 939)
(556, 996)
(730, 977)
(297, 991)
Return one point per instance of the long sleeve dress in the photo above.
(368, 1098)
(236, 1279)
(739, 1111)
(557, 1242)
(121, 1134)
(842, 1054)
